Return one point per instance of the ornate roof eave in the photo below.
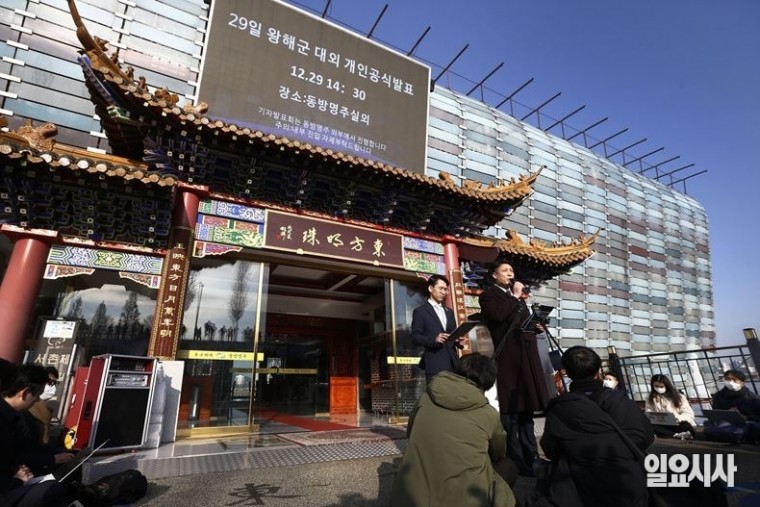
(39, 147)
(86, 197)
(137, 109)
(535, 261)
(148, 106)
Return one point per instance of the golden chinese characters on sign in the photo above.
(315, 236)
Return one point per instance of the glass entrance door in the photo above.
(222, 305)
(291, 378)
(308, 345)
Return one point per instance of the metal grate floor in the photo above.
(155, 467)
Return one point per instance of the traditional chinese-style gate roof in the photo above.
(535, 261)
(127, 196)
(249, 164)
(80, 194)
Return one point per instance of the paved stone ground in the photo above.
(351, 483)
(366, 482)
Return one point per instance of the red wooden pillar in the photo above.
(167, 321)
(20, 286)
(455, 298)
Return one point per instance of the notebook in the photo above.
(662, 418)
(61, 473)
(730, 416)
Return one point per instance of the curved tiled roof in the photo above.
(147, 125)
(162, 106)
(80, 194)
(14, 145)
(159, 107)
(535, 260)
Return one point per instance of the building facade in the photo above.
(230, 315)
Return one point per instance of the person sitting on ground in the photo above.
(20, 387)
(34, 447)
(664, 397)
(42, 411)
(735, 395)
(592, 464)
(456, 455)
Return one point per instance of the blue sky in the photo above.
(683, 74)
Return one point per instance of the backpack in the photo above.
(117, 489)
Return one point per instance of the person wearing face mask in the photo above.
(42, 411)
(665, 398)
(610, 380)
(736, 396)
(39, 453)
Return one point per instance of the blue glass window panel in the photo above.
(514, 166)
(53, 81)
(444, 136)
(14, 4)
(183, 25)
(443, 156)
(44, 113)
(152, 48)
(449, 108)
(514, 150)
(544, 235)
(52, 64)
(482, 158)
(176, 7)
(184, 12)
(545, 208)
(49, 96)
(479, 140)
(443, 125)
(437, 166)
(90, 14)
(594, 214)
(477, 176)
(563, 204)
(489, 171)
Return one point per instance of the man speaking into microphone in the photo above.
(520, 384)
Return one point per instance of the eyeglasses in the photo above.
(52, 382)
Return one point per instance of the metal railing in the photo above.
(698, 374)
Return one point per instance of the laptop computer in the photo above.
(64, 471)
(730, 416)
(662, 418)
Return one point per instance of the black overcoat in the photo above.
(521, 385)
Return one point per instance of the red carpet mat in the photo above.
(307, 423)
(353, 436)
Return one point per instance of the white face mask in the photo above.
(733, 386)
(609, 384)
(48, 393)
(660, 390)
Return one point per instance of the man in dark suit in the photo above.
(520, 385)
(431, 325)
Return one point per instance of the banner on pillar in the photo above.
(167, 321)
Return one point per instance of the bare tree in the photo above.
(130, 312)
(239, 296)
(100, 320)
(192, 289)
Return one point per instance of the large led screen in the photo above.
(271, 67)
